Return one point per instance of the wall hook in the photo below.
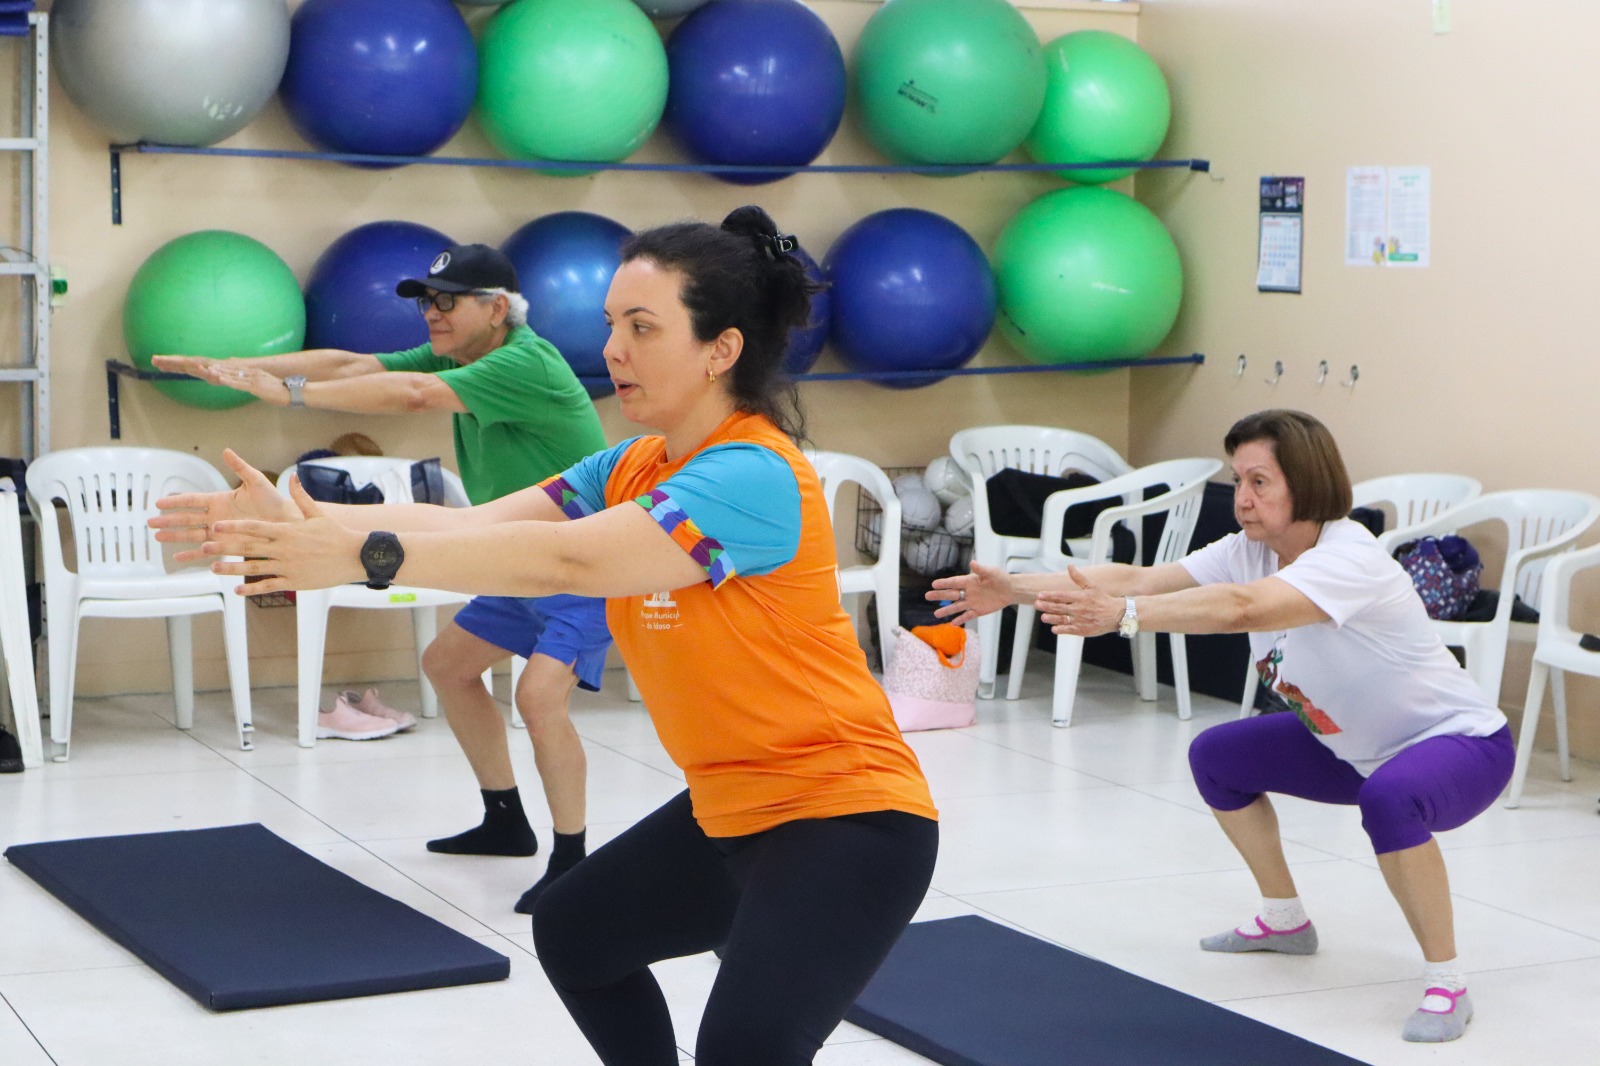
(1277, 372)
(1355, 375)
(1239, 370)
(1322, 372)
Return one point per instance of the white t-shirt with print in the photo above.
(1375, 678)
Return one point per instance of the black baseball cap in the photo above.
(463, 268)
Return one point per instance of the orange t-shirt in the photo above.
(755, 681)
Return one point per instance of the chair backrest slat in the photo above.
(110, 494)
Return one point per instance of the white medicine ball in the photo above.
(946, 480)
(919, 508)
(958, 517)
(934, 553)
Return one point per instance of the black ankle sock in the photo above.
(567, 851)
(505, 829)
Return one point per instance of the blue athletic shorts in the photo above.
(569, 629)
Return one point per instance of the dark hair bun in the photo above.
(750, 221)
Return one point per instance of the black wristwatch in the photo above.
(382, 556)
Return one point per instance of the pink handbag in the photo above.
(932, 680)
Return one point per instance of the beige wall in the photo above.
(1478, 363)
(1483, 363)
(298, 208)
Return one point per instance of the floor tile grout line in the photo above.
(26, 1027)
(962, 896)
(1525, 917)
(136, 964)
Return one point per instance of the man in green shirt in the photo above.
(520, 416)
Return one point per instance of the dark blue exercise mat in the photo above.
(238, 917)
(967, 992)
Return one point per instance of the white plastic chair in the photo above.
(984, 451)
(312, 605)
(1185, 481)
(1415, 498)
(881, 579)
(110, 494)
(16, 644)
(1555, 652)
(1539, 523)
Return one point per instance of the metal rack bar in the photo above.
(1200, 165)
(115, 369)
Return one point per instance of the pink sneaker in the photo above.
(344, 722)
(369, 703)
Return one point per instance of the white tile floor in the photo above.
(1092, 837)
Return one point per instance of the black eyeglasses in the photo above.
(444, 301)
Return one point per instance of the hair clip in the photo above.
(778, 244)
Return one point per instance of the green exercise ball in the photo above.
(217, 294)
(948, 81)
(1105, 99)
(570, 80)
(1086, 274)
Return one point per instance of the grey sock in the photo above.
(1430, 1027)
(1301, 941)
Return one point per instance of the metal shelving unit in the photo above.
(28, 258)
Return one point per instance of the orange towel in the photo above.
(948, 640)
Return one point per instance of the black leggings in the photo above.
(804, 914)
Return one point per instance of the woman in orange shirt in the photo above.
(807, 837)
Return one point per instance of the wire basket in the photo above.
(869, 536)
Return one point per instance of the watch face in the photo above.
(383, 555)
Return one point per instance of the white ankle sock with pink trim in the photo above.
(1447, 975)
(1280, 915)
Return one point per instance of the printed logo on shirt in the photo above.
(660, 611)
(1267, 666)
(1314, 717)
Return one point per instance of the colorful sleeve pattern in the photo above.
(702, 549)
(571, 502)
(580, 490)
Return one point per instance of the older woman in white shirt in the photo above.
(1384, 717)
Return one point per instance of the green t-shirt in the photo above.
(527, 416)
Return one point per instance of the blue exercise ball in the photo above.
(752, 82)
(911, 291)
(806, 342)
(565, 262)
(350, 300)
(379, 77)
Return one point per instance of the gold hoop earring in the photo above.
(711, 375)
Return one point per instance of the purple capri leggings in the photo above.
(1436, 784)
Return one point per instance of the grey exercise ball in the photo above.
(669, 9)
(189, 72)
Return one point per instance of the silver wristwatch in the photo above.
(295, 383)
(1129, 625)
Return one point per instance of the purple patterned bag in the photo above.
(1445, 571)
